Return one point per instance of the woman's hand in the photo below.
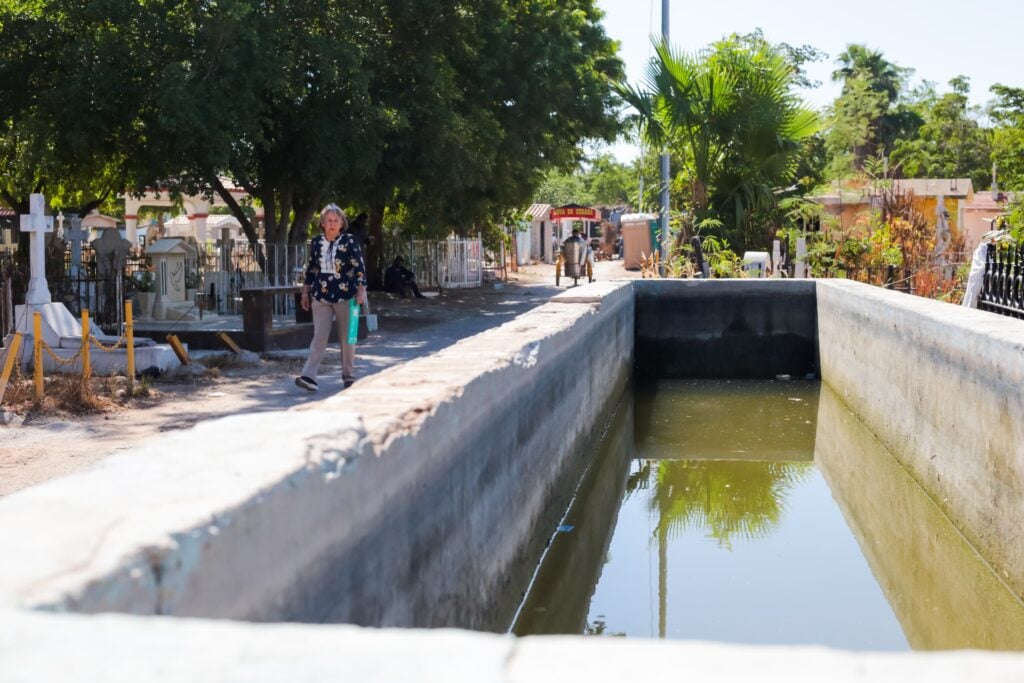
(361, 295)
(304, 301)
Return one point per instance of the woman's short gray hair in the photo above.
(335, 209)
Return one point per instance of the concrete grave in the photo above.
(172, 257)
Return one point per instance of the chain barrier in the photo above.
(57, 359)
(108, 348)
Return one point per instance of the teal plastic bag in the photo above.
(353, 321)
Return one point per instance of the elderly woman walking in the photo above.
(335, 273)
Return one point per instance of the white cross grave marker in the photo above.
(37, 224)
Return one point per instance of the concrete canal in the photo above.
(872, 501)
(761, 512)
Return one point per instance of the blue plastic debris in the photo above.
(565, 528)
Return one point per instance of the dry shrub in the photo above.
(71, 395)
(76, 395)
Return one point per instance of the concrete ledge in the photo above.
(132, 649)
(287, 516)
(940, 386)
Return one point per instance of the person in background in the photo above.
(335, 274)
(361, 231)
(400, 280)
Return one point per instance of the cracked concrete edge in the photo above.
(133, 513)
(117, 648)
(88, 542)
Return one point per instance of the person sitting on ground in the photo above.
(400, 280)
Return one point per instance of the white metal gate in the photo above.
(447, 264)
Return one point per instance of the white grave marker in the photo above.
(37, 224)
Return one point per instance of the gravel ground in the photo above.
(38, 447)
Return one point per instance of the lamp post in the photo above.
(664, 160)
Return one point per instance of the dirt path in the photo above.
(38, 448)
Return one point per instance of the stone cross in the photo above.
(37, 224)
(76, 236)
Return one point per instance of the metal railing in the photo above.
(226, 268)
(1002, 289)
(442, 264)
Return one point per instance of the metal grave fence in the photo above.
(1002, 289)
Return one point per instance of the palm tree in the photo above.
(882, 75)
(730, 114)
(871, 88)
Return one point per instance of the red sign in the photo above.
(575, 212)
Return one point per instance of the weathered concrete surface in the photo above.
(125, 649)
(945, 596)
(941, 387)
(566, 579)
(265, 508)
(740, 329)
(419, 518)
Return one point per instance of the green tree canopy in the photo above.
(867, 118)
(1007, 111)
(731, 115)
(951, 143)
(444, 109)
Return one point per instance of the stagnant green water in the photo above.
(761, 513)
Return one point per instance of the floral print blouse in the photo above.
(335, 268)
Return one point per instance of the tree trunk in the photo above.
(375, 251)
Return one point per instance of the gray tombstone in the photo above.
(111, 253)
(76, 236)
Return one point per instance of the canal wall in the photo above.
(741, 329)
(412, 499)
(940, 386)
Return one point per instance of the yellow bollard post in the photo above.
(37, 359)
(129, 333)
(229, 342)
(178, 349)
(12, 354)
(86, 367)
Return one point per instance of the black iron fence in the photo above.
(1002, 289)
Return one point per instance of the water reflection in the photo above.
(559, 598)
(762, 512)
(942, 591)
(723, 499)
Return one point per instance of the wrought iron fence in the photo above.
(1002, 289)
(8, 278)
(442, 264)
(227, 267)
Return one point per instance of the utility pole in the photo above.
(664, 159)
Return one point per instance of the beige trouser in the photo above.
(323, 313)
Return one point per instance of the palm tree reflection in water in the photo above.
(724, 498)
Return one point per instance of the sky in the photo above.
(939, 39)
